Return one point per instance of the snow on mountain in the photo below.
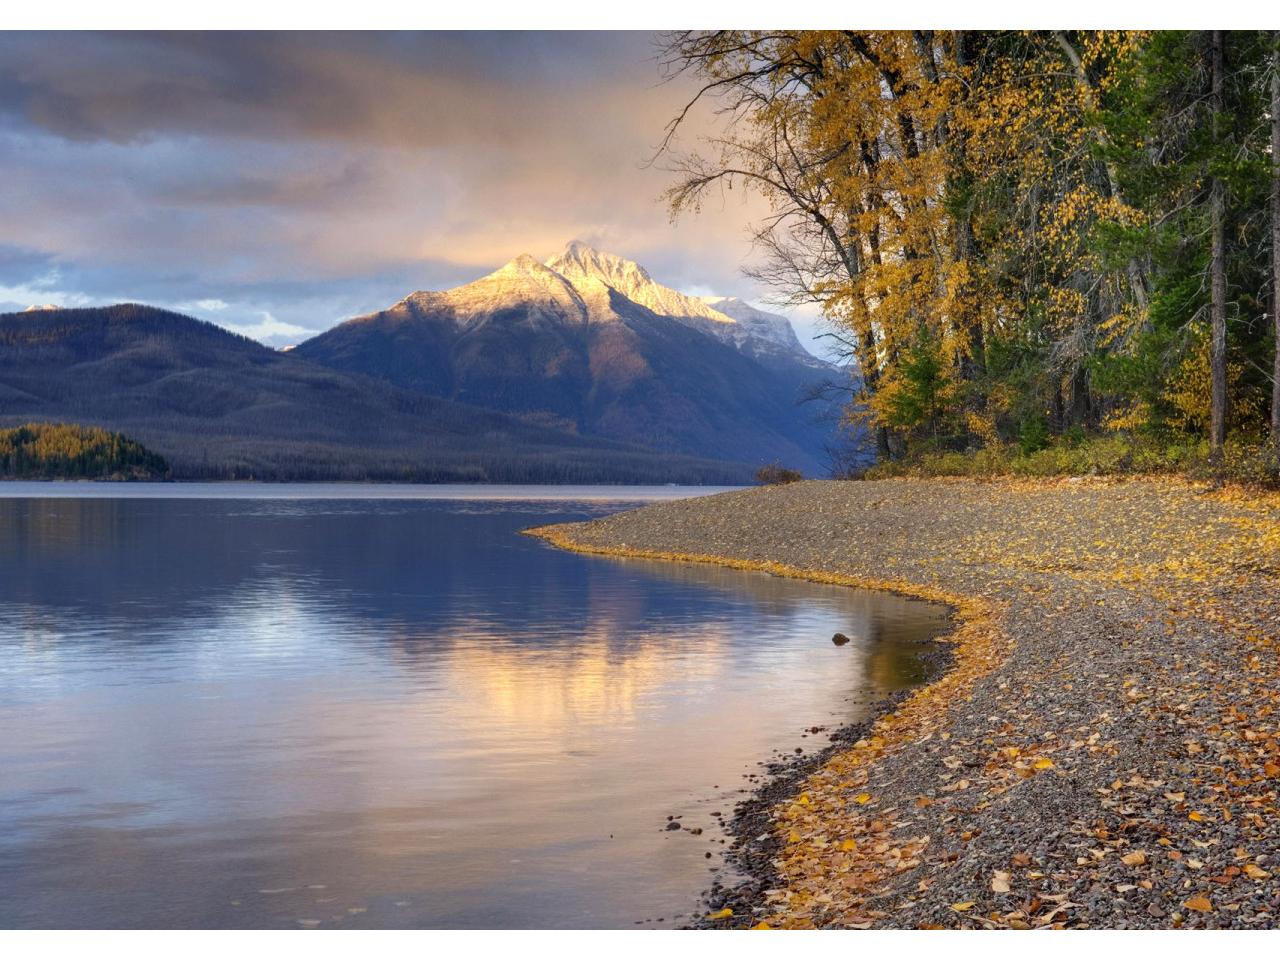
(769, 327)
(523, 282)
(577, 286)
(727, 318)
(579, 262)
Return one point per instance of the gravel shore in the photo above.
(1102, 751)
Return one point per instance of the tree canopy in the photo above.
(67, 451)
(1016, 236)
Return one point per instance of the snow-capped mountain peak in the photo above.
(523, 280)
(771, 327)
(579, 262)
(589, 342)
(729, 319)
(578, 285)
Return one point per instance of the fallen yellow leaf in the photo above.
(847, 845)
(1195, 815)
(762, 926)
(960, 907)
(1044, 763)
(1255, 871)
(720, 914)
(862, 798)
(1199, 903)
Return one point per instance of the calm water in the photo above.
(260, 709)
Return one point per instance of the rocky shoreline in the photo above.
(756, 846)
(1104, 750)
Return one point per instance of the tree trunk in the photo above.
(1080, 406)
(1058, 408)
(883, 452)
(1217, 270)
(973, 363)
(1275, 235)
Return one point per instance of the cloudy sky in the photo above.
(280, 183)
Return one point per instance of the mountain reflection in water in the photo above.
(233, 712)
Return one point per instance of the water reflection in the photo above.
(274, 713)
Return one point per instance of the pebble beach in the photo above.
(1101, 747)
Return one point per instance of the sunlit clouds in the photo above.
(276, 184)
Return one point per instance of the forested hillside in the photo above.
(40, 451)
(220, 406)
(1025, 239)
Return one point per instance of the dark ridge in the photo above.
(216, 405)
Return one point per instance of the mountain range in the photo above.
(581, 368)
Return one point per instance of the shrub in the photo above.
(1033, 436)
(774, 473)
(1244, 461)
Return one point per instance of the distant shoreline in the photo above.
(1082, 763)
(169, 481)
(329, 490)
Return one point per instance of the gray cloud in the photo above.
(390, 89)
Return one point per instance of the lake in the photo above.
(243, 705)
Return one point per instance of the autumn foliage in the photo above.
(1013, 233)
(67, 451)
